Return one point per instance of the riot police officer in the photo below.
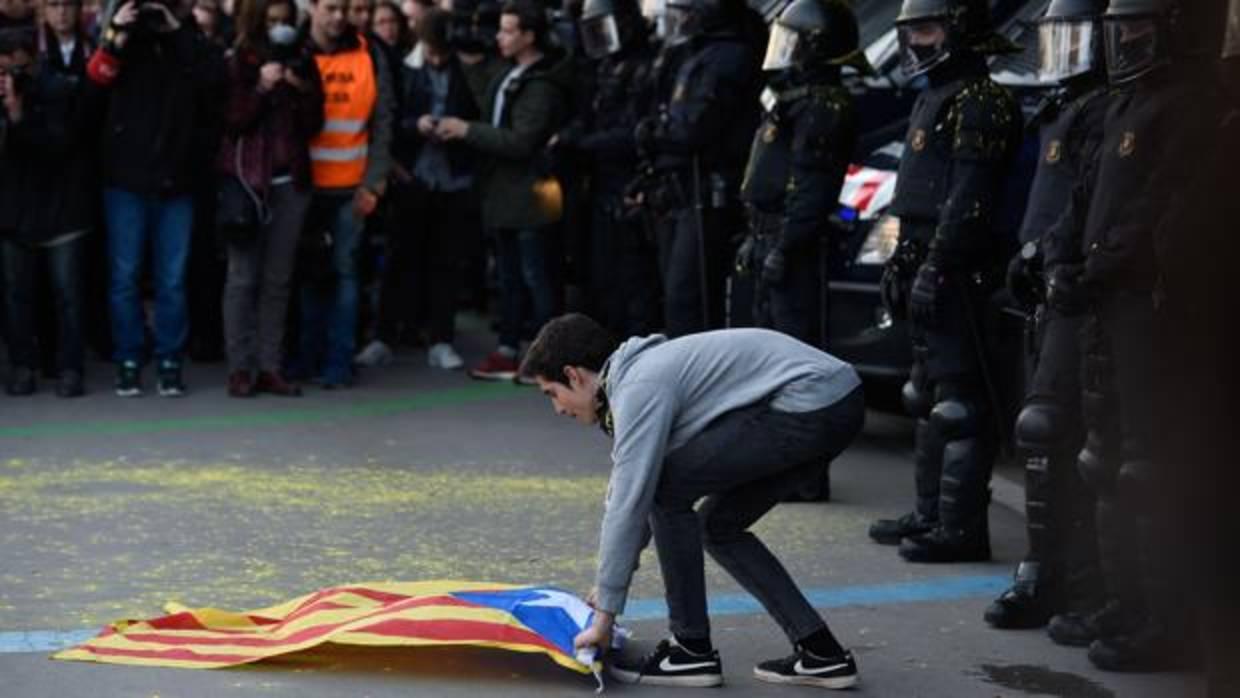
(797, 163)
(1059, 571)
(698, 140)
(1157, 66)
(623, 271)
(963, 133)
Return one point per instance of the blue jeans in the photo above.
(521, 258)
(135, 221)
(329, 310)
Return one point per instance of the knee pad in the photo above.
(955, 415)
(917, 400)
(1039, 427)
(1136, 477)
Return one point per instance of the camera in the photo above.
(150, 17)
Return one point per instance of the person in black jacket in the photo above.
(700, 142)
(50, 199)
(165, 85)
(438, 221)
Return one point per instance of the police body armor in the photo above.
(1059, 573)
(799, 156)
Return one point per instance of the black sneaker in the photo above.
(170, 384)
(806, 669)
(671, 665)
(128, 379)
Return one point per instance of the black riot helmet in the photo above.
(812, 33)
(687, 19)
(1140, 37)
(1070, 41)
(608, 25)
(931, 31)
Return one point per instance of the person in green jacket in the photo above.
(525, 105)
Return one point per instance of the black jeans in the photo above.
(744, 464)
(426, 263)
(64, 266)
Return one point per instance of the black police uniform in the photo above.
(624, 270)
(700, 141)
(1059, 571)
(1122, 393)
(792, 183)
(963, 134)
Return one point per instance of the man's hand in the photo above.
(289, 76)
(122, 22)
(598, 635)
(364, 202)
(426, 125)
(269, 75)
(450, 128)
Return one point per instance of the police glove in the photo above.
(1066, 291)
(774, 267)
(927, 294)
(643, 133)
(1024, 276)
(743, 264)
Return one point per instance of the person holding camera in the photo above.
(165, 89)
(274, 108)
(50, 154)
(349, 163)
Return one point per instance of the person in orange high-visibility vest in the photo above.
(349, 163)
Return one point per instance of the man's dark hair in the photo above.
(569, 340)
(433, 29)
(531, 17)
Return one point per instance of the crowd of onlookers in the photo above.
(294, 187)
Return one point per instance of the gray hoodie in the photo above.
(664, 392)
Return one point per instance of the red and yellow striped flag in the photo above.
(518, 618)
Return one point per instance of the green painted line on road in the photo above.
(479, 392)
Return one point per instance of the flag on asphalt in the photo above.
(517, 618)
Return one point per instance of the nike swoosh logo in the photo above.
(666, 665)
(800, 668)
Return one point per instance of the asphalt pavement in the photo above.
(109, 508)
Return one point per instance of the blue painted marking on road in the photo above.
(937, 589)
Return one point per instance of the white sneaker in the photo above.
(375, 354)
(442, 355)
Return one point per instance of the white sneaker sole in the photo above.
(694, 681)
(835, 682)
(128, 392)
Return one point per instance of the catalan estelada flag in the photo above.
(517, 618)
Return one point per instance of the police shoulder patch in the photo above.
(1054, 152)
(1127, 144)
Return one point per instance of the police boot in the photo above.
(1150, 647)
(927, 469)
(1026, 604)
(1081, 628)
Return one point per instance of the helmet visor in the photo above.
(781, 48)
(1066, 49)
(600, 36)
(1134, 47)
(923, 45)
(679, 23)
(655, 12)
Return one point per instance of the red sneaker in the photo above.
(274, 383)
(240, 384)
(496, 367)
